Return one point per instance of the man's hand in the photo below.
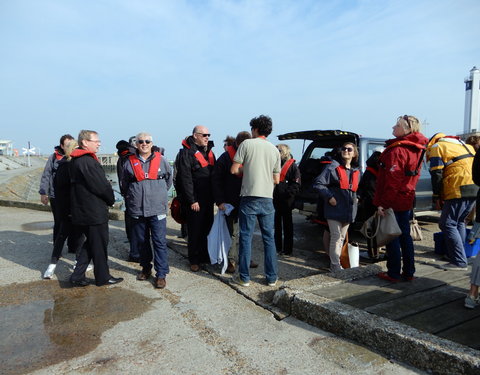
(195, 206)
(380, 211)
(44, 199)
(221, 206)
(332, 201)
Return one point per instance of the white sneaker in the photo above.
(74, 265)
(238, 280)
(471, 302)
(272, 283)
(89, 267)
(50, 270)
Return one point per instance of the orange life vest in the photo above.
(152, 174)
(58, 155)
(343, 179)
(285, 168)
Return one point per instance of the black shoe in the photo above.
(79, 283)
(133, 259)
(114, 280)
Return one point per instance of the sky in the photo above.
(125, 66)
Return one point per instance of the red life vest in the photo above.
(152, 174)
(199, 156)
(231, 152)
(343, 179)
(285, 168)
(58, 155)
(372, 171)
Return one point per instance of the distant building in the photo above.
(6, 147)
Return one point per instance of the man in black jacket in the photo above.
(91, 194)
(194, 165)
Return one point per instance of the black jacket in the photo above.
(91, 192)
(192, 181)
(226, 186)
(61, 184)
(284, 193)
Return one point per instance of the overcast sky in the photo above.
(121, 67)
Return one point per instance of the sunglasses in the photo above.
(141, 141)
(405, 117)
(349, 149)
(204, 135)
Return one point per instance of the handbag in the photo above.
(383, 228)
(415, 230)
(344, 259)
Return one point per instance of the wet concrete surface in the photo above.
(47, 323)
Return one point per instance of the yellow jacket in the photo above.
(451, 167)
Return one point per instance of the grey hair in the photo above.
(143, 135)
(85, 135)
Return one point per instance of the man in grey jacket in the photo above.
(146, 181)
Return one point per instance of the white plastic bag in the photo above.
(353, 255)
(219, 241)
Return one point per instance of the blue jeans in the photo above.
(157, 229)
(401, 247)
(251, 209)
(452, 224)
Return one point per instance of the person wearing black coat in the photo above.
(124, 150)
(61, 185)
(91, 195)
(365, 193)
(193, 183)
(283, 200)
(226, 189)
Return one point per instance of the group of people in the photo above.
(255, 178)
(245, 176)
(259, 181)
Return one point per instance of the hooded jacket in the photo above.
(192, 180)
(46, 183)
(147, 197)
(328, 185)
(90, 192)
(395, 183)
(451, 163)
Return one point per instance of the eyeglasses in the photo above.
(349, 149)
(141, 141)
(204, 134)
(93, 140)
(405, 117)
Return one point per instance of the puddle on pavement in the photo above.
(44, 323)
(37, 225)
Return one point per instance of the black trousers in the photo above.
(94, 247)
(284, 231)
(199, 224)
(75, 239)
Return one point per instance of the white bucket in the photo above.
(353, 255)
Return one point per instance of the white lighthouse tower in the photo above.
(472, 102)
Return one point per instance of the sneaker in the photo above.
(50, 270)
(408, 278)
(89, 267)
(385, 276)
(74, 265)
(272, 283)
(240, 282)
(471, 302)
(453, 267)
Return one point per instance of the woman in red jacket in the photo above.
(396, 181)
